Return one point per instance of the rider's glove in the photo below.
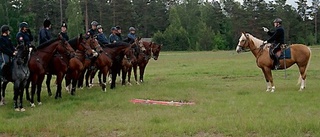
(265, 29)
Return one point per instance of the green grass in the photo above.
(228, 89)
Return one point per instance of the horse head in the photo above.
(243, 43)
(155, 49)
(65, 47)
(84, 46)
(129, 55)
(22, 56)
(94, 44)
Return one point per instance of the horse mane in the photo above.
(47, 43)
(117, 44)
(257, 42)
(73, 42)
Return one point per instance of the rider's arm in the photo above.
(273, 36)
(5, 49)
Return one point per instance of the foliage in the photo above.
(201, 22)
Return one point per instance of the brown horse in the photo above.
(300, 55)
(152, 50)
(84, 53)
(39, 62)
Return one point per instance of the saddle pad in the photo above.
(286, 54)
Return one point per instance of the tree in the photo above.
(75, 18)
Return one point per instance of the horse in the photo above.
(18, 73)
(82, 59)
(39, 62)
(59, 65)
(152, 51)
(117, 51)
(300, 55)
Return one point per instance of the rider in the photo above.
(276, 38)
(119, 33)
(63, 32)
(132, 34)
(113, 36)
(7, 50)
(24, 36)
(102, 39)
(45, 34)
(93, 30)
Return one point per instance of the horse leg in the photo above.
(60, 76)
(135, 67)
(124, 74)
(142, 68)
(21, 98)
(129, 75)
(49, 76)
(87, 77)
(16, 94)
(302, 78)
(33, 89)
(74, 86)
(268, 76)
(113, 78)
(39, 86)
(105, 72)
(3, 93)
(93, 73)
(27, 89)
(80, 79)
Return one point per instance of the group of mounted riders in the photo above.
(24, 36)
(111, 46)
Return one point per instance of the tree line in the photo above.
(177, 24)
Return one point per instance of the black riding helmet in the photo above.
(277, 20)
(5, 28)
(46, 23)
(23, 24)
(64, 24)
(94, 23)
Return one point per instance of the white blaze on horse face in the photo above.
(239, 49)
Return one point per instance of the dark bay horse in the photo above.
(82, 59)
(58, 66)
(152, 50)
(117, 51)
(40, 60)
(18, 73)
(300, 55)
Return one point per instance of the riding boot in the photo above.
(276, 62)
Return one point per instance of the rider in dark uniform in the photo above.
(276, 38)
(93, 30)
(63, 32)
(113, 36)
(102, 39)
(7, 50)
(132, 34)
(45, 34)
(119, 33)
(24, 36)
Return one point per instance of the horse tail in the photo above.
(305, 72)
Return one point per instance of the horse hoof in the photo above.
(2, 103)
(39, 103)
(128, 83)
(17, 109)
(137, 83)
(22, 109)
(32, 105)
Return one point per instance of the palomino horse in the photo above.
(39, 62)
(18, 74)
(300, 55)
(79, 62)
(152, 50)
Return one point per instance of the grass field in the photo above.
(228, 89)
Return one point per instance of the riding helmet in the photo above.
(118, 27)
(94, 23)
(277, 20)
(64, 24)
(99, 27)
(4, 28)
(113, 28)
(23, 24)
(132, 29)
(46, 23)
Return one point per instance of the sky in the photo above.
(290, 2)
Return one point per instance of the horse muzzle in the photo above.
(239, 49)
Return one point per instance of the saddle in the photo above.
(283, 53)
